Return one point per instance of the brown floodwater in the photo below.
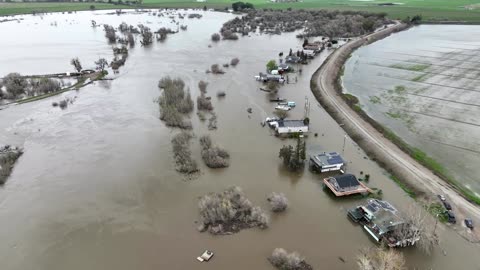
(97, 189)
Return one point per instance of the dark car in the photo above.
(447, 206)
(451, 217)
(469, 223)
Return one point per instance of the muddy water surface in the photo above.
(96, 187)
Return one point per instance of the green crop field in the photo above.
(431, 10)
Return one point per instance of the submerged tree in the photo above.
(15, 84)
(278, 202)
(182, 154)
(272, 65)
(229, 212)
(110, 33)
(174, 101)
(294, 158)
(283, 260)
(215, 37)
(234, 61)
(212, 155)
(75, 62)
(380, 259)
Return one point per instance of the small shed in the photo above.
(344, 185)
(290, 126)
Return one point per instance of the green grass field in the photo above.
(431, 10)
(26, 8)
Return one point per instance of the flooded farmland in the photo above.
(423, 84)
(96, 187)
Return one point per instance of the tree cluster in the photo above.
(215, 69)
(8, 157)
(17, 86)
(174, 102)
(182, 154)
(110, 33)
(294, 158)
(328, 23)
(283, 260)
(229, 211)
(212, 155)
(203, 102)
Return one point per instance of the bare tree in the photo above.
(212, 155)
(75, 62)
(182, 154)
(229, 212)
(283, 260)
(380, 259)
(419, 228)
(101, 64)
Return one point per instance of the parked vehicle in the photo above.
(441, 197)
(283, 108)
(289, 103)
(451, 217)
(447, 205)
(469, 223)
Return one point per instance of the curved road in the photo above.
(417, 175)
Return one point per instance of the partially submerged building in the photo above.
(384, 224)
(284, 126)
(344, 185)
(326, 162)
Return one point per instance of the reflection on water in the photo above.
(423, 84)
(96, 187)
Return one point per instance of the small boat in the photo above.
(206, 256)
(277, 100)
(283, 108)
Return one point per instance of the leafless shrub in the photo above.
(110, 33)
(283, 260)
(202, 85)
(63, 104)
(215, 69)
(278, 202)
(229, 212)
(212, 122)
(182, 154)
(234, 61)
(227, 34)
(203, 103)
(123, 27)
(174, 102)
(44, 86)
(212, 155)
(215, 37)
(379, 258)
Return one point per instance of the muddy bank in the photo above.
(8, 157)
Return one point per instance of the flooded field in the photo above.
(96, 187)
(423, 84)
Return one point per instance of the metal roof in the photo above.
(291, 123)
(332, 158)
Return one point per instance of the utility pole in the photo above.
(344, 141)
